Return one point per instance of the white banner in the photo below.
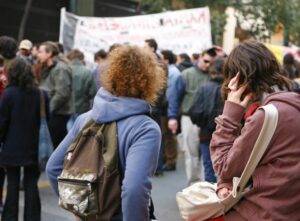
(180, 31)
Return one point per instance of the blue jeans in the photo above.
(209, 172)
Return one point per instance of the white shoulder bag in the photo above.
(200, 202)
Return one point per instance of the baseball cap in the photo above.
(25, 44)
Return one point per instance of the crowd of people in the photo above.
(136, 87)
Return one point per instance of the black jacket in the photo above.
(19, 126)
(207, 105)
(184, 65)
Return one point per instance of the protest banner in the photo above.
(186, 31)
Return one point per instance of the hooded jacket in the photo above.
(139, 140)
(274, 193)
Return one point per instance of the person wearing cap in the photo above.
(25, 50)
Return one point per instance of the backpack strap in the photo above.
(87, 125)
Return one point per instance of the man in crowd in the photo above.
(56, 79)
(193, 77)
(25, 47)
(83, 85)
(160, 108)
(169, 123)
(100, 59)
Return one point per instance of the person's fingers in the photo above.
(233, 84)
(222, 193)
(246, 100)
(227, 193)
(242, 89)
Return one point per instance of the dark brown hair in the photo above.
(134, 72)
(258, 68)
(75, 54)
(8, 47)
(152, 43)
(211, 52)
(20, 74)
(216, 68)
(51, 47)
(101, 54)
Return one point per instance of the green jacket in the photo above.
(84, 87)
(193, 78)
(57, 81)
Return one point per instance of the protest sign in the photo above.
(186, 31)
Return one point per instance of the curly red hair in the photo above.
(134, 72)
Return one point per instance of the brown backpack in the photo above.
(89, 185)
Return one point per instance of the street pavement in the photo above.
(163, 194)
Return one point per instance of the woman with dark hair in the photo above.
(252, 75)
(8, 50)
(19, 135)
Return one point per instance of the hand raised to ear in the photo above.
(235, 94)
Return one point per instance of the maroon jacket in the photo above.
(275, 193)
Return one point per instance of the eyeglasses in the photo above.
(206, 61)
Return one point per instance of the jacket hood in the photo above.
(186, 64)
(290, 98)
(108, 108)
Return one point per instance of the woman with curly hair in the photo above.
(19, 135)
(130, 86)
(253, 78)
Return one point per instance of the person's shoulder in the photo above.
(211, 83)
(80, 121)
(10, 94)
(148, 124)
(11, 90)
(176, 70)
(142, 121)
(189, 70)
(60, 65)
(86, 70)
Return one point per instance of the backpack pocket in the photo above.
(78, 196)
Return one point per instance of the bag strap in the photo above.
(88, 124)
(261, 144)
(42, 104)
